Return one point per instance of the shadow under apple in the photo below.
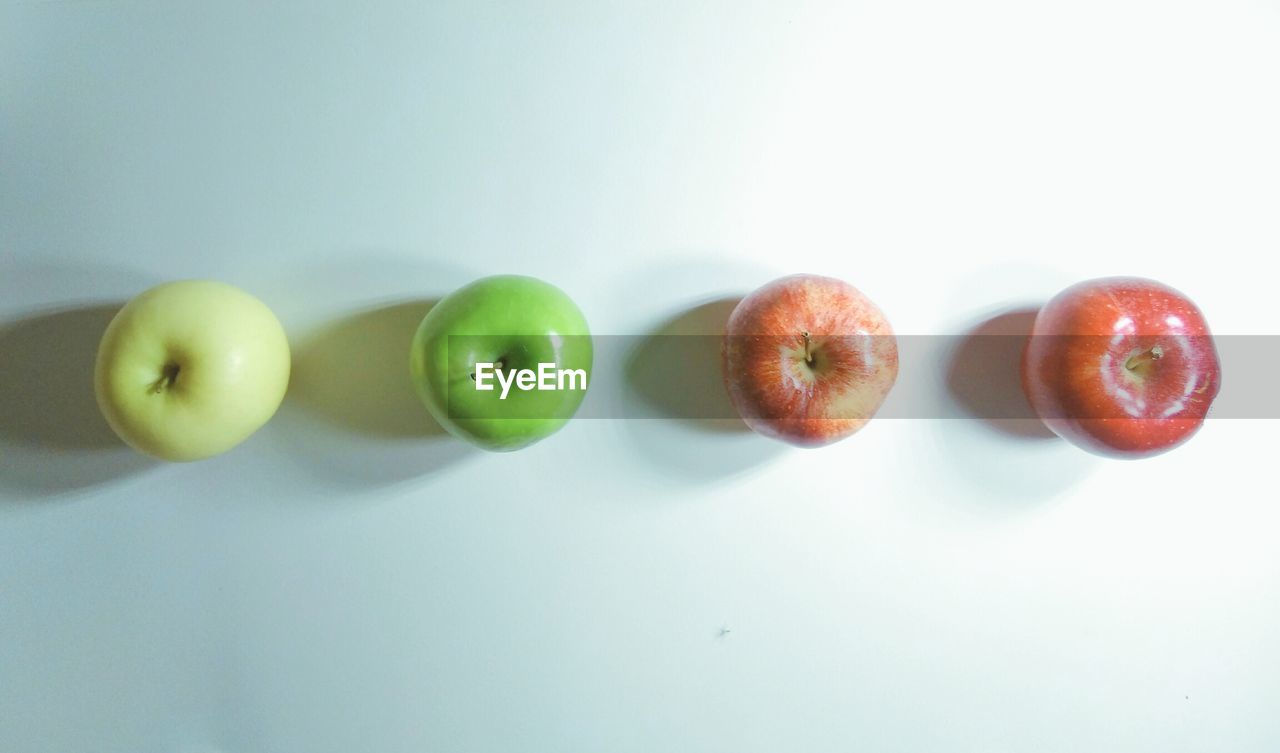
(352, 409)
(1002, 459)
(675, 372)
(53, 438)
(354, 373)
(984, 375)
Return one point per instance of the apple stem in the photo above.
(1154, 353)
(167, 377)
(808, 353)
(496, 367)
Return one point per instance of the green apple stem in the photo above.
(496, 367)
(1152, 354)
(808, 352)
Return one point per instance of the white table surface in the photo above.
(342, 583)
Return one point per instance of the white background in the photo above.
(342, 582)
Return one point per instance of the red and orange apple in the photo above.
(808, 359)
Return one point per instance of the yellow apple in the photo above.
(187, 370)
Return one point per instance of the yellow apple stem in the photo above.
(167, 377)
(1154, 353)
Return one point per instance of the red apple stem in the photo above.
(808, 343)
(1154, 353)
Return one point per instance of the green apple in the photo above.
(490, 361)
(188, 370)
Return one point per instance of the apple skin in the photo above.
(518, 321)
(228, 358)
(784, 395)
(1122, 367)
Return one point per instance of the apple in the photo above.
(481, 358)
(1121, 366)
(808, 359)
(187, 370)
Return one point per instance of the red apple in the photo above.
(808, 359)
(1122, 366)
